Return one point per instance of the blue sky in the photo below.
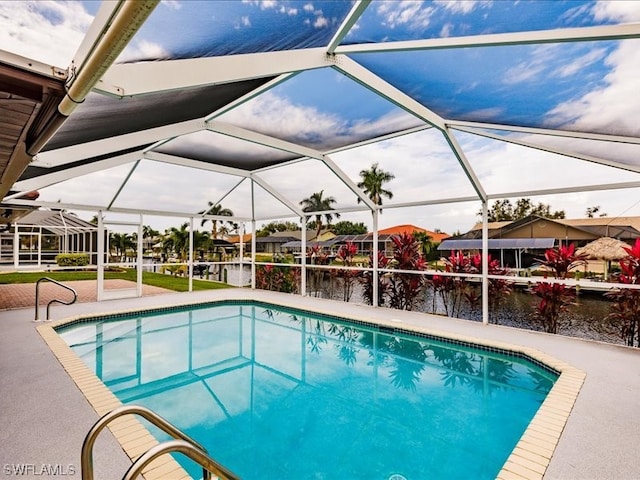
(486, 84)
(397, 21)
(205, 28)
(590, 86)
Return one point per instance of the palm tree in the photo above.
(316, 203)
(177, 240)
(426, 243)
(149, 232)
(372, 180)
(215, 209)
(120, 242)
(149, 235)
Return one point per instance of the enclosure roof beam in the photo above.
(277, 195)
(546, 131)
(369, 80)
(350, 20)
(104, 16)
(556, 191)
(63, 156)
(70, 173)
(132, 211)
(129, 79)
(559, 151)
(250, 95)
(537, 37)
(425, 203)
(337, 171)
(262, 139)
(382, 138)
(186, 162)
(464, 163)
(231, 190)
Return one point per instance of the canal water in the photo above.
(586, 319)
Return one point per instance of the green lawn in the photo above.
(178, 284)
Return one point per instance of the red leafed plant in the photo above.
(400, 289)
(345, 254)
(556, 298)
(499, 289)
(367, 281)
(453, 290)
(278, 278)
(626, 302)
(562, 259)
(404, 288)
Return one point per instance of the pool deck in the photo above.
(44, 416)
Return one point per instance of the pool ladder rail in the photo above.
(182, 443)
(55, 300)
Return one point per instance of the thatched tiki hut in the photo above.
(606, 249)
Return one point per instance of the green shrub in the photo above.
(72, 259)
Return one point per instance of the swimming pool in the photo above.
(278, 393)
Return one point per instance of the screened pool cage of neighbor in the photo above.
(148, 112)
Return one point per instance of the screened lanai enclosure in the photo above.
(38, 237)
(146, 110)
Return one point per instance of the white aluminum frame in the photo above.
(146, 77)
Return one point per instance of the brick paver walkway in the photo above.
(23, 295)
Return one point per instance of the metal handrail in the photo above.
(208, 464)
(86, 456)
(55, 300)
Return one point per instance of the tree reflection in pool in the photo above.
(277, 393)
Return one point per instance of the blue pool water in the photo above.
(274, 393)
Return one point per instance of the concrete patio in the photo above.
(45, 417)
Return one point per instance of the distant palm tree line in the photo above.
(176, 239)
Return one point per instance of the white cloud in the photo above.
(613, 108)
(547, 61)
(265, 4)
(320, 22)
(541, 60)
(46, 31)
(582, 62)
(308, 124)
(462, 6)
(291, 11)
(308, 7)
(486, 114)
(617, 10)
(523, 72)
(446, 29)
(405, 13)
(285, 119)
(576, 15)
(142, 49)
(172, 4)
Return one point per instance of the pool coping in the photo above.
(528, 460)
